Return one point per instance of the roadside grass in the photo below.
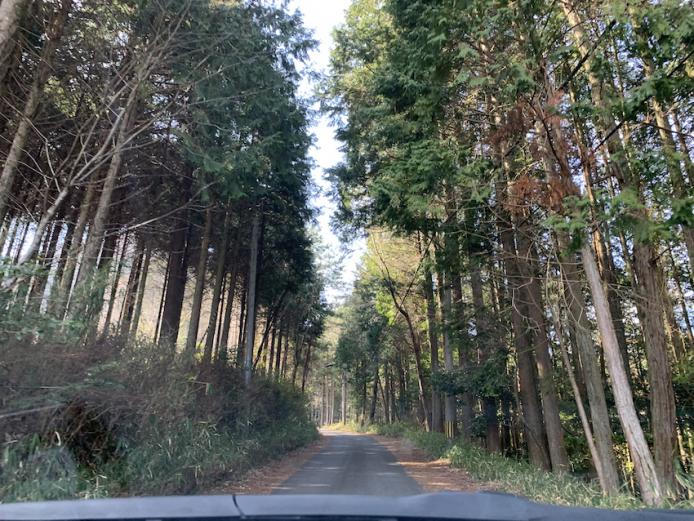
(504, 474)
(133, 421)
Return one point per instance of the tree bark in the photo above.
(648, 275)
(250, 304)
(284, 354)
(484, 345)
(114, 286)
(467, 412)
(271, 355)
(580, 329)
(219, 275)
(450, 405)
(228, 311)
(141, 288)
(242, 325)
(10, 15)
(644, 465)
(532, 414)
(201, 271)
(528, 267)
(176, 285)
(132, 289)
(417, 348)
(68, 276)
(587, 431)
(307, 365)
(659, 368)
(436, 410)
(343, 399)
(278, 353)
(103, 209)
(9, 12)
(374, 396)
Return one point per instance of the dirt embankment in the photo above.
(432, 475)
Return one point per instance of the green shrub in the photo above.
(133, 419)
(517, 477)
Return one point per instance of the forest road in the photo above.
(351, 464)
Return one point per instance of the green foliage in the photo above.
(140, 422)
(498, 472)
(30, 471)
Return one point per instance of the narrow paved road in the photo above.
(351, 464)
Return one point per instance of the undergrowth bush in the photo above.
(500, 473)
(119, 418)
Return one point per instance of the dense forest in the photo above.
(156, 243)
(523, 173)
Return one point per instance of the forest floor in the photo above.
(432, 475)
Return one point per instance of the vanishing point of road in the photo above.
(351, 464)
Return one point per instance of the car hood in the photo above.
(482, 506)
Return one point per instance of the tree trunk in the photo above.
(467, 413)
(217, 292)
(9, 12)
(532, 415)
(644, 465)
(98, 227)
(278, 352)
(228, 311)
(307, 362)
(162, 299)
(297, 358)
(659, 368)
(242, 326)
(343, 399)
(417, 348)
(450, 405)
(132, 289)
(606, 486)
(436, 410)
(176, 285)
(218, 329)
(580, 329)
(374, 396)
(73, 252)
(485, 341)
(250, 304)
(528, 266)
(284, 354)
(114, 286)
(201, 271)
(62, 260)
(141, 288)
(46, 263)
(648, 275)
(9, 233)
(271, 356)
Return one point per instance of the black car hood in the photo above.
(482, 506)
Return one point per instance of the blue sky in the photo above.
(322, 16)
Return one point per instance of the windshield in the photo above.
(357, 247)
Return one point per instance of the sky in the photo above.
(322, 16)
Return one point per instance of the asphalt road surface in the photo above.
(351, 464)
